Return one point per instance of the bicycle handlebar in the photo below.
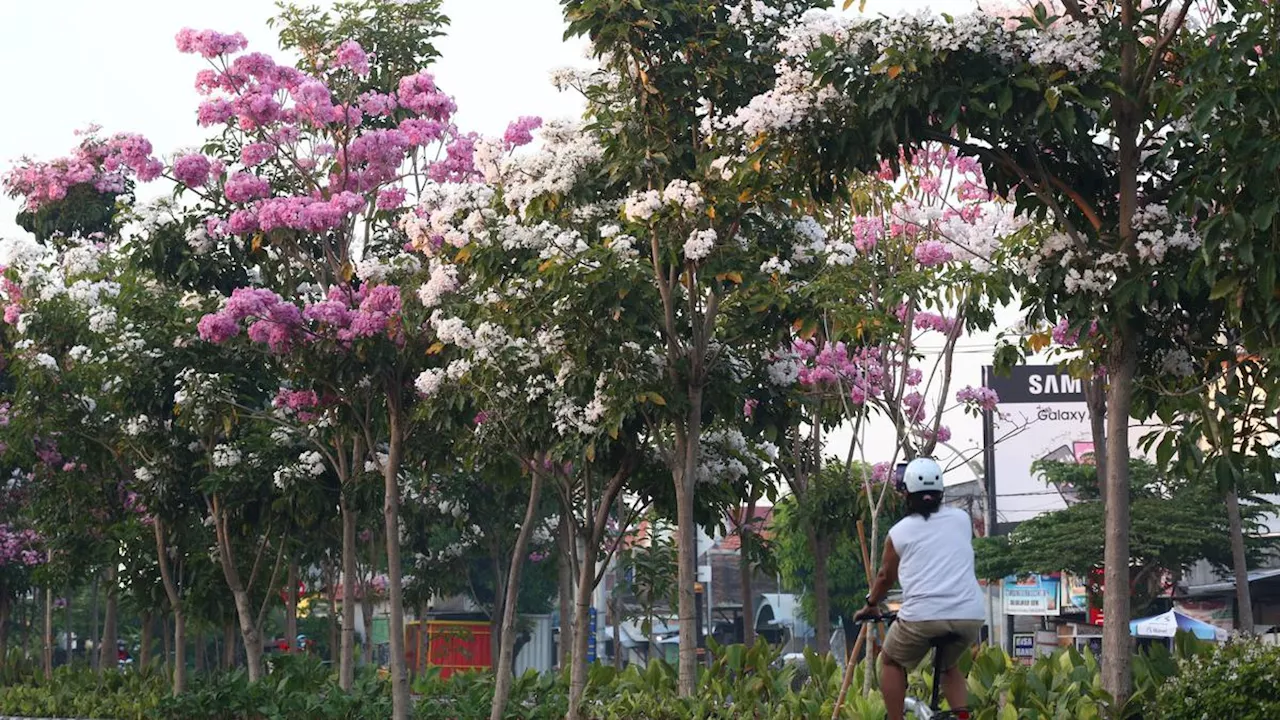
(887, 617)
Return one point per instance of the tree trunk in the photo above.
(499, 601)
(250, 633)
(618, 660)
(401, 708)
(370, 598)
(174, 594)
(144, 651)
(92, 658)
(821, 549)
(68, 634)
(48, 632)
(331, 587)
(687, 531)
(1244, 599)
(506, 656)
(745, 528)
(179, 652)
(199, 647)
(568, 551)
(291, 608)
(229, 645)
(347, 653)
(1116, 642)
(166, 645)
(581, 620)
(5, 610)
(1095, 395)
(109, 658)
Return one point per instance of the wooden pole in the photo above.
(850, 662)
(848, 671)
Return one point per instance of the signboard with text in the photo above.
(1032, 595)
(1042, 415)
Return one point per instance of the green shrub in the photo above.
(1239, 680)
(297, 686)
(80, 693)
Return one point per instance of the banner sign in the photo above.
(1032, 595)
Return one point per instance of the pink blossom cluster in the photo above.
(932, 253)
(302, 403)
(106, 164)
(1066, 337)
(867, 232)
(520, 131)
(193, 170)
(419, 94)
(459, 163)
(981, 397)
(353, 57)
(274, 321)
(942, 434)
(18, 547)
(826, 364)
(345, 315)
(13, 294)
(209, 43)
(926, 320)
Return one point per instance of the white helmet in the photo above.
(923, 475)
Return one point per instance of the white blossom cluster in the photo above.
(199, 241)
(566, 153)
(379, 270)
(133, 427)
(685, 195)
(1177, 362)
(784, 368)
(85, 259)
(443, 280)
(310, 464)
(1158, 234)
(797, 98)
(197, 395)
(641, 206)
(225, 456)
(456, 213)
(700, 244)
(725, 456)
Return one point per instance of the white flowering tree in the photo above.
(692, 234)
(62, 417)
(1072, 105)
(549, 389)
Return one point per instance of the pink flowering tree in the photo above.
(887, 281)
(298, 187)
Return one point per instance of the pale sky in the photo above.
(72, 63)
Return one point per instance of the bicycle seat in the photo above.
(944, 640)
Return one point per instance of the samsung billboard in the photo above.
(1042, 415)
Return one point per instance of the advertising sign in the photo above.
(1217, 612)
(1032, 595)
(1042, 415)
(1075, 594)
(1024, 647)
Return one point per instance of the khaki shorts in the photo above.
(909, 642)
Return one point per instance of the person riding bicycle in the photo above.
(930, 552)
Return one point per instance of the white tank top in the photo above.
(935, 567)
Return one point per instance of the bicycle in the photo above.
(915, 707)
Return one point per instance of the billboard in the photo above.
(1032, 595)
(1042, 415)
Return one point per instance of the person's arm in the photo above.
(884, 580)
